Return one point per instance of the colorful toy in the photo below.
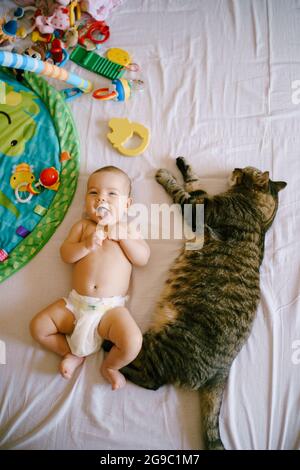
(122, 57)
(17, 61)
(8, 30)
(24, 29)
(23, 180)
(49, 178)
(22, 176)
(119, 56)
(95, 63)
(36, 36)
(74, 12)
(60, 19)
(120, 90)
(122, 131)
(57, 53)
(87, 34)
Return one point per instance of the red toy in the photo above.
(56, 51)
(90, 33)
(49, 177)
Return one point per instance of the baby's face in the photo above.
(107, 197)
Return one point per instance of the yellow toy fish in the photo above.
(22, 175)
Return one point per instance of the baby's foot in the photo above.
(113, 376)
(69, 364)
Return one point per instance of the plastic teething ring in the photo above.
(18, 197)
(99, 94)
(96, 26)
(102, 28)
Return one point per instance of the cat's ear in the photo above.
(279, 185)
(263, 179)
(236, 177)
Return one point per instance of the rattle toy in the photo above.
(122, 130)
(87, 34)
(120, 90)
(22, 180)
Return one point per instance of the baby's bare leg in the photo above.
(49, 328)
(118, 326)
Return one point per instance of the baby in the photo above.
(103, 251)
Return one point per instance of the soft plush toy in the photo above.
(56, 15)
(59, 19)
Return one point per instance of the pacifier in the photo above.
(104, 214)
(102, 210)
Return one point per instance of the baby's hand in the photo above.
(101, 233)
(93, 241)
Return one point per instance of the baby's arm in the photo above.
(134, 247)
(72, 249)
(137, 251)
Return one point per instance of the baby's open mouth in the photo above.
(102, 210)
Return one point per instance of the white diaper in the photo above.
(88, 312)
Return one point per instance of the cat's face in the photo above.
(264, 190)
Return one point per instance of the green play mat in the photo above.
(37, 132)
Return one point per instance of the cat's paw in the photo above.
(139, 377)
(181, 164)
(162, 176)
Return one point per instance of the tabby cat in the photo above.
(207, 307)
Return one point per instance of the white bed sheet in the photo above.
(219, 91)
